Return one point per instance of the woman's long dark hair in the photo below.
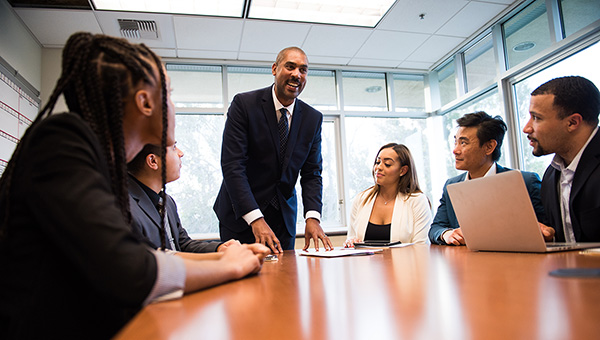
(98, 73)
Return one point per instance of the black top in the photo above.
(71, 267)
(377, 232)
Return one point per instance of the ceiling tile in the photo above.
(506, 2)
(202, 54)
(53, 27)
(195, 32)
(415, 65)
(401, 39)
(470, 19)
(326, 60)
(165, 52)
(391, 45)
(404, 16)
(335, 41)
(373, 62)
(166, 36)
(434, 49)
(272, 36)
(268, 57)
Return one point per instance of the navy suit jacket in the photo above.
(445, 218)
(584, 202)
(146, 221)
(250, 160)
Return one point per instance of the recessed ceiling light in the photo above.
(228, 8)
(373, 89)
(339, 12)
(524, 46)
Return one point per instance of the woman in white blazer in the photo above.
(395, 208)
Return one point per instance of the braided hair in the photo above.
(98, 73)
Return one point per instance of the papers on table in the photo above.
(399, 245)
(337, 252)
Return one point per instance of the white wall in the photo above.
(18, 46)
(51, 68)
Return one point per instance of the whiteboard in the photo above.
(17, 110)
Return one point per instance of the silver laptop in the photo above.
(496, 214)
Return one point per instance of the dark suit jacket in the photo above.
(584, 203)
(252, 175)
(70, 265)
(146, 221)
(445, 218)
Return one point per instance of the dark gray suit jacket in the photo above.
(146, 221)
(584, 202)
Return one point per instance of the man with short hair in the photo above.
(477, 146)
(145, 185)
(564, 121)
(270, 138)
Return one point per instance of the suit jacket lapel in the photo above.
(293, 133)
(271, 117)
(590, 159)
(144, 202)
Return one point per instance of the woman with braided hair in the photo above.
(71, 266)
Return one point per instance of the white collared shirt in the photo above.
(564, 187)
(491, 171)
(256, 213)
(279, 106)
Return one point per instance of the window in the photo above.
(199, 136)
(527, 33)
(488, 102)
(196, 86)
(577, 14)
(447, 81)
(584, 64)
(364, 91)
(331, 216)
(480, 63)
(364, 137)
(320, 90)
(409, 93)
(243, 79)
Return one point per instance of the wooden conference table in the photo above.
(417, 292)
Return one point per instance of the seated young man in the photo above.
(476, 149)
(145, 185)
(564, 121)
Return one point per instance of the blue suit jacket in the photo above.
(252, 174)
(146, 222)
(584, 202)
(445, 218)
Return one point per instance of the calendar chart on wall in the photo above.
(18, 108)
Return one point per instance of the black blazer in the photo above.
(146, 221)
(250, 161)
(584, 203)
(71, 266)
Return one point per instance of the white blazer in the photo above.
(411, 218)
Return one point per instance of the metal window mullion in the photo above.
(461, 76)
(391, 98)
(554, 20)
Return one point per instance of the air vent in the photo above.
(138, 29)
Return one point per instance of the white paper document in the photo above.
(337, 252)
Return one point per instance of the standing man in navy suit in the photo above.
(270, 138)
(477, 146)
(564, 121)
